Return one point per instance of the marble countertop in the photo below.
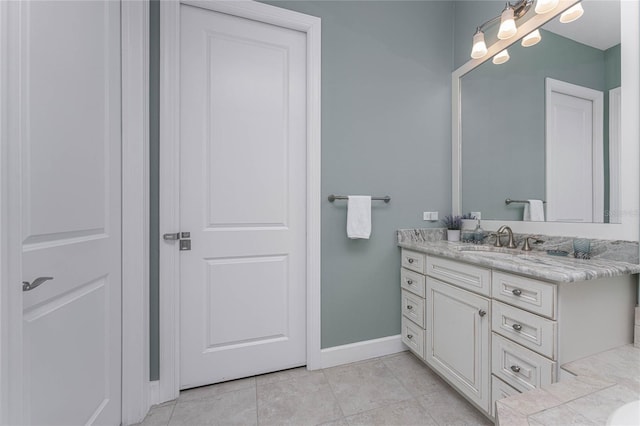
(535, 264)
(603, 383)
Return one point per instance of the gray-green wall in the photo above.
(154, 201)
(386, 70)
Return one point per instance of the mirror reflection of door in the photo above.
(574, 153)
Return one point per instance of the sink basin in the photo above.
(628, 414)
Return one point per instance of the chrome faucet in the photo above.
(509, 232)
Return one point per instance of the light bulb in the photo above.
(531, 39)
(501, 57)
(479, 48)
(571, 14)
(507, 24)
(544, 6)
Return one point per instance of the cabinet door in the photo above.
(457, 339)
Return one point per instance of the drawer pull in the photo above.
(409, 336)
(410, 260)
(515, 368)
(517, 327)
(482, 312)
(516, 292)
(409, 307)
(410, 282)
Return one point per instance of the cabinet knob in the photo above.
(410, 282)
(409, 307)
(517, 327)
(409, 336)
(515, 368)
(482, 312)
(516, 292)
(409, 260)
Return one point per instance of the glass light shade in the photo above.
(501, 57)
(571, 14)
(479, 48)
(544, 6)
(507, 25)
(531, 39)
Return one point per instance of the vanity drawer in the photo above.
(413, 282)
(521, 368)
(463, 275)
(530, 330)
(500, 390)
(414, 260)
(413, 337)
(531, 295)
(413, 307)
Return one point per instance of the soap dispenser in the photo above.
(478, 234)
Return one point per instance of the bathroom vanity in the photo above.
(495, 323)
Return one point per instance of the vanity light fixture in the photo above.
(531, 39)
(545, 6)
(479, 48)
(508, 28)
(571, 14)
(507, 24)
(501, 57)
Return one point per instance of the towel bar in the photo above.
(509, 201)
(332, 198)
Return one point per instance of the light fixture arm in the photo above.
(520, 8)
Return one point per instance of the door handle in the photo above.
(40, 280)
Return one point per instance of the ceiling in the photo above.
(599, 27)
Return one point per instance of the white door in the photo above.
(457, 335)
(574, 153)
(67, 109)
(242, 197)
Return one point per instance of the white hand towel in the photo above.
(359, 217)
(534, 211)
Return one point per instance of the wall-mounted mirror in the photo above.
(546, 124)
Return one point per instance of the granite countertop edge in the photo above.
(535, 264)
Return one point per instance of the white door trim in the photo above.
(135, 211)
(135, 220)
(615, 161)
(11, 385)
(597, 162)
(169, 178)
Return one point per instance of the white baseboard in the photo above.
(154, 393)
(360, 351)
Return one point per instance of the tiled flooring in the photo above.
(393, 390)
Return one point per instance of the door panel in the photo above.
(458, 338)
(69, 103)
(242, 197)
(574, 153)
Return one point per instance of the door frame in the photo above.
(135, 220)
(170, 177)
(597, 148)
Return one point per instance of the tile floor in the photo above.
(394, 390)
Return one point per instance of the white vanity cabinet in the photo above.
(457, 338)
(491, 333)
(413, 308)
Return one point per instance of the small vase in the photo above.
(453, 235)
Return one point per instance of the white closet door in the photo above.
(67, 107)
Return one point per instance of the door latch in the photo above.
(183, 237)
